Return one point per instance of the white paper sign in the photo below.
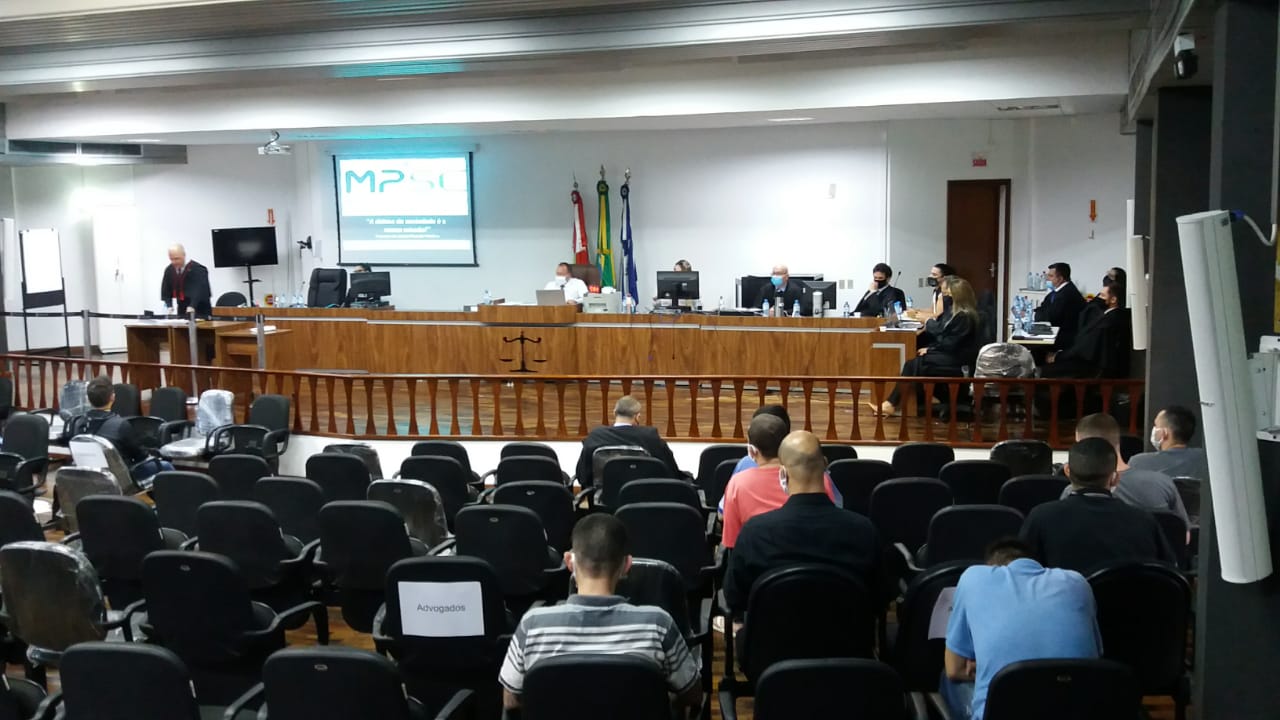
(941, 614)
(430, 609)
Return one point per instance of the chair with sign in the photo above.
(1024, 456)
(921, 459)
(342, 476)
(338, 683)
(1148, 636)
(199, 606)
(1024, 492)
(418, 503)
(178, 494)
(295, 502)
(328, 287)
(116, 533)
(359, 540)
(974, 482)
(824, 688)
(98, 677)
(237, 474)
(1063, 690)
(550, 501)
(856, 479)
(447, 475)
(619, 687)
(275, 566)
(438, 656)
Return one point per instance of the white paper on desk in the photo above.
(431, 609)
(941, 614)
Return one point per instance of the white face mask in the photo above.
(1157, 437)
(782, 480)
(561, 280)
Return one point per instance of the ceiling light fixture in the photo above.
(142, 140)
(1017, 108)
(789, 119)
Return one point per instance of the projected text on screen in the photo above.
(405, 210)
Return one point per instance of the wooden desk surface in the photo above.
(562, 340)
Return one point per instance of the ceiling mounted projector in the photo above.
(274, 147)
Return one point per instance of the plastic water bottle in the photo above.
(720, 305)
(1031, 281)
(795, 309)
(910, 303)
(764, 307)
(487, 298)
(628, 305)
(847, 311)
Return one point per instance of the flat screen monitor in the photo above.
(238, 247)
(826, 287)
(681, 288)
(370, 285)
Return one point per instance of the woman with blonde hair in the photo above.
(954, 345)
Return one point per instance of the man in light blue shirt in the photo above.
(1009, 610)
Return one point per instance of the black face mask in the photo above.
(881, 283)
(932, 281)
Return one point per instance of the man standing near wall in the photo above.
(187, 282)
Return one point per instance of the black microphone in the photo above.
(897, 278)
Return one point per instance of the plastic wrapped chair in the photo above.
(1004, 360)
(73, 484)
(52, 600)
(91, 451)
(212, 412)
(367, 455)
(419, 504)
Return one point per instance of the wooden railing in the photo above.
(708, 409)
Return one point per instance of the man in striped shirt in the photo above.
(595, 621)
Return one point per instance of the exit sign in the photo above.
(979, 160)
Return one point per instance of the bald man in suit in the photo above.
(186, 282)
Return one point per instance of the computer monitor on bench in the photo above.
(680, 289)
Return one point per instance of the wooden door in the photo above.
(977, 226)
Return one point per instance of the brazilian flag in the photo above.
(604, 245)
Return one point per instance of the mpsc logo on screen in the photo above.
(392, 179)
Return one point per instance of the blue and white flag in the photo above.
(632, 285)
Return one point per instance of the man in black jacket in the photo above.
(1063, 305)
(106, 424)
(1101, 349)
(187, 282)
(625, 430)
(881, 295)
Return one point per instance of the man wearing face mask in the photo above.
(1094, 308)
(1171, 431)
(574, 289)
(780, 286)
(1102, 348)
(881, 295)
(805, 528)
(1061, 307)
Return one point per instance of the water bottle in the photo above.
(628, 305)
(764, 307)
(720, 305)
(1031, 281)
(795, 309)
(910, 303)
(487, 298)
(847, 312)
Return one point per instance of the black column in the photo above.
(1179, 186)
(1142, 185)
(1238, 626)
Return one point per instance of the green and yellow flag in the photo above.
(604, 245)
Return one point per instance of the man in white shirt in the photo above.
(574, 289)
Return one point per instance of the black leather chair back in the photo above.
(295, 502)
(517, 468)
(663, 491)
(710, 459)
(328, 286)
(974, 482)
(333, 683)
(536, 449)
(551, 501)
(856, 479)
(367, 455)
(128, 402)
(1143, 613)
(1063, 690)
(671, 532)
(248, 534)
(921, 459)
(178, 494)
(236, 474)
(902, 508)
(961, 533)
(447, 475)
(916, 656)
(359, 541)
(1024, 492)
(511, 539)
(828, 688)
(340, 475)
(98, 675)
(839, 452)
(619, 471)
(1024, 457)
(619, 687)
(116, 534)
(168, 404)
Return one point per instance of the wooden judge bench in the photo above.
(552, 340)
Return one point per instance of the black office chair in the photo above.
(328, 287)
(18, 474)
(178, 494)
(128, 402)
(337, 683)
(1024, 457)
(1024, 492)
(674, 533)
(719, 481)
(169, 404)
(435, 665)
(237, 473)
(835, 453)
(907, 644)
(921, 459)
(232, 299)
(619, 687)
(512, 540)
(73, 484)
(17, 522)
(98, 677)
(961, 533)
(6, 399)
(266, 434)
(1063, 690)
(604, 454)
(359, 540)
(1175, 532)
(619, 471)
(367, 455)
(839, 620)
(198, 605)
(658, 583)
(824, 688)
(447, 475)
(663, 491)
(116, 533)
(1144, 610)
(551, 501)
(450, 449)
(902, 508)
(856, 479)
(418, 503)
(340, 475)
(275, 566)
(519, 468)
(528, 449)
(974, 482)
(708, 461)
(27, 435)
(295, 502)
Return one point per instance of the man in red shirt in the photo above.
(758, 490)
